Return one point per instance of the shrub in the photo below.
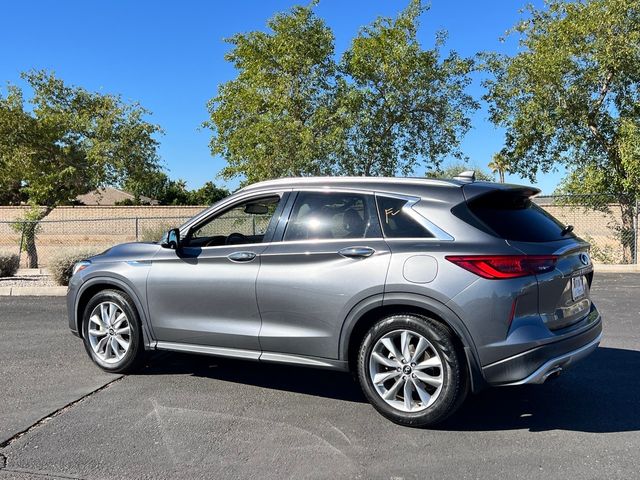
(603, 253)
(61, 265)
(9, 263)
(154, 232)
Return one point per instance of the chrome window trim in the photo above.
(242, 246)
(439, 234)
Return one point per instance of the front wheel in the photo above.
(111, 331)
(411, 371)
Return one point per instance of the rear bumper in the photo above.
(538, 364)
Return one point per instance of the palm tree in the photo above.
(499, 165)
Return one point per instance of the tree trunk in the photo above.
(30, 231)
(627, 230)
(30, 244)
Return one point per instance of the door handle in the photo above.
(241, 256)
(357, 252)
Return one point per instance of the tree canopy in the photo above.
(158, 186)
(571, 96)
(387, 106)
(275, 119)
(406, 105)
(66, 142)
(70, 141)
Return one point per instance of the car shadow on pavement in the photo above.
(600, 394)
(309, 381)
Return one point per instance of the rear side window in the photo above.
(398, 221)
(331, 215)
(514, 216)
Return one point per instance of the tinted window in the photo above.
(397, 220)
(318, 215)
(516, 217)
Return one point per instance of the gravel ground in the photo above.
(28, 281)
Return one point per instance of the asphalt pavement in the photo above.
(200, 417)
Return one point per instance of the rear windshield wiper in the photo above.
(565, 230)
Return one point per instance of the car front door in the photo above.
(204, 293)
(331, 255)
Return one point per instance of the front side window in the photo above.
(397, 221)
(246, 222)
(331, 215)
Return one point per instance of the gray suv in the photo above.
(425, 289)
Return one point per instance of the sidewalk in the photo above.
(33, 291)
(17, 286)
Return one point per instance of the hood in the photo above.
(128, 252)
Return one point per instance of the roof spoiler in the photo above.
(477, 189)
(466, 176)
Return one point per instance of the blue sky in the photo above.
(169, 57)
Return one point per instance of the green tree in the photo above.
(499, 164)
(208, 194)
(407, 105)
(68, 142)
(275, 119)
(457, 168)
(388, 106)
(158, 186)
(571, 96)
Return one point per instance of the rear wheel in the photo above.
(111, 331)
(411, 371)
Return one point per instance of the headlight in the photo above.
(80, 266)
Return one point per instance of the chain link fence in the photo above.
(610, 226)
(38, 242)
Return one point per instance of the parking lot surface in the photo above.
(201, 417)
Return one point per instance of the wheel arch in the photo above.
(96, 284)
(367, 312)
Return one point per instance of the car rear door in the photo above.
(330, 256)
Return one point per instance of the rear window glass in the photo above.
(516, 217)
(397, 221)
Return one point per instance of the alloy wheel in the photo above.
(406, 370)
(109, 332)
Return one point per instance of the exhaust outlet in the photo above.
(551, 374)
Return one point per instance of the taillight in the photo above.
(505, 266)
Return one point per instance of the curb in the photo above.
(25, 272)
(635, 268)
(33, 291)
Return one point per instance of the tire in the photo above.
(432, 357)
(105, 342)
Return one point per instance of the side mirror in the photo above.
(171, 239)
